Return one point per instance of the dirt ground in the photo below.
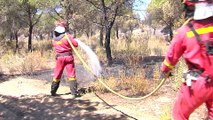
(27, 98)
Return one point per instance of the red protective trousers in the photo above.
(64, 62)
(190, 99)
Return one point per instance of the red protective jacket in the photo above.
(185, 43)
(61, 44)
(64, 57)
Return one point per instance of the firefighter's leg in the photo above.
(58, 71)
(209, 103)
(190, 99)
(209, 106)
(70, 70)
(54, 87)
(181, 108)
(73, 86)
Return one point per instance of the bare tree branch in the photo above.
(99, 9)
(58, 14)
(36, 21)
(53, 16)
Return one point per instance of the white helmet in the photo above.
(59, 29)
(203, 10)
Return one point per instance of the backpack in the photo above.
(206, 49)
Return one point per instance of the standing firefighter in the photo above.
(64, 59)
(194, 40)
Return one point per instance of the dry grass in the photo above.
(44, 47)
(157, 45)
(166, 113)
(1, 70)
(131, 52)
(128, 85)
(24, 62)
(27, 64)
(112, 82)
(140, 46)
(134, 84)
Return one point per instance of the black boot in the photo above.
(73, 88)
(54, 88)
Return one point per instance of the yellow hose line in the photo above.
(101, 81)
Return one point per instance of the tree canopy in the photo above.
(165, 13)
(36, 18)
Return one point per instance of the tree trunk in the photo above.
(107, 46)
(67, 25)
(108, 26)
(170, 33)
(91, 32)
(74, 34)
(101, 36)
(154, 31)
(41, 37)
(87, 34)
(170, 30)
(16, 37)
(11, 36)
(30, 38)
(68, 15)
(116, 30)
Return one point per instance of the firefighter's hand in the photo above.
(165, 74)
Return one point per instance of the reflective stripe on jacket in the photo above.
(185, 43)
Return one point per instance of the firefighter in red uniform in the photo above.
(64, 59)
(193, 41)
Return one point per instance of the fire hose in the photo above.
(107, 87)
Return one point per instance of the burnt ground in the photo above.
(27, 97)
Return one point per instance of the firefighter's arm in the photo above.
(173, 54)
(166, 67)
(74, 42)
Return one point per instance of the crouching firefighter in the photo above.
(64, 59)
(193, 41)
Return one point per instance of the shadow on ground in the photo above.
(42, 107)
